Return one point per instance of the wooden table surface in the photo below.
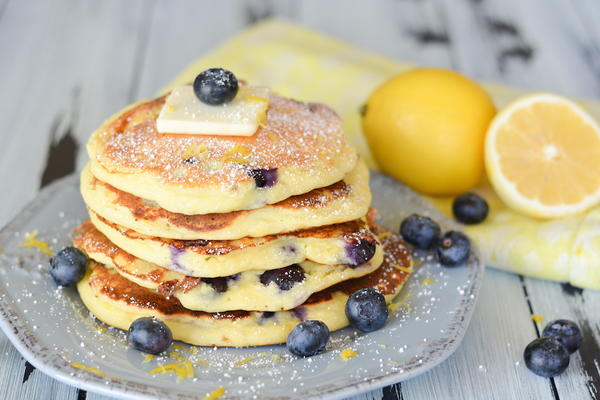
(68, 64)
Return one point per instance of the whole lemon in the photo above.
(426, 127)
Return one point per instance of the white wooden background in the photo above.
(67, 64)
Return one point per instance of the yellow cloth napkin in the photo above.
(305, 65)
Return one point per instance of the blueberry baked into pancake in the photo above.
(222, 214)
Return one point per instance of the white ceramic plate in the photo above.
(52, 328)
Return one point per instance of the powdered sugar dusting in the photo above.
(296, 134)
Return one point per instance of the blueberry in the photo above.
(546, 357)
(308, 338)
(149, 335)
(360, 251)
(67, 267)
(285, 277)
(216, 86)
(453, 248)
(565, 331)
(366, 310)
(218, 284)
(420, 231)
(470, 208)
(264, 178)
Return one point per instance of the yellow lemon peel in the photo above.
(183, 370)
(196, 151)
(399, 267)
(244, 361)
(537, 318)
(31, 240)
(215, 394)
(148, 358)
(92, 370)
(238, 154)
(347, 354)
(427, 282)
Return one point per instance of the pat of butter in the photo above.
(184, 113)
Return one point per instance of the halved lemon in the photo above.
(542, 156)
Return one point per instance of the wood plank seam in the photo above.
(537, 330)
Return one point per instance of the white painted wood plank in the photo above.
(397, 29)
(488, 364)
(38, 386)
(64, 70)
(180, 32)
(552, 302)
(79, 55)
(535, 44)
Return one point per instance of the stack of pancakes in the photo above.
(231, 241)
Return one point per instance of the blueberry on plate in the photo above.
(546, 357)
(420, 231)
(366, 310)
(67, 267)
(453, 248)
(308, 338)
(565, 331)
(470, 208)
(216, 86)
(149, 335)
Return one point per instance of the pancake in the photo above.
(276, 290)
(346, 243)
(118, 302)
(301, 147)
(343, 201)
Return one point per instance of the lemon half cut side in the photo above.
(542, 156)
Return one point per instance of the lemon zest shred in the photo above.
(194, 151)
(1, 250)
(203, 362)
(193, 350)
(250, 96)
(178, 347)
(537, 318)
(101, 328)
(427, 282)
(244, 361)
(384, 235)
(148, 358)
(169, 106)
(183, 370)
(347, 354)
(31, 240)
(408, 270)
(383, 345)
(215, 394)
(92, 370)
(238, 154)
